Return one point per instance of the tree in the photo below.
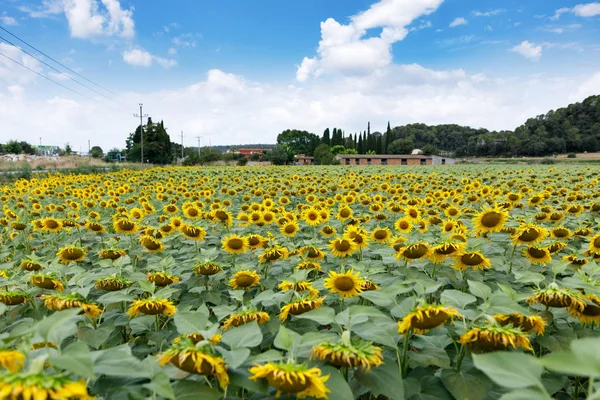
(401, 146)
(278, 155)
(13, 147)
(68, 149)
(114, 154)
(157, 144)
(300, 142)
(26, 148)
(97, 152)
(430, 149)
(326, 137)
(323, 155)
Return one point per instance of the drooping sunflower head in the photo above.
(71, 254)
(71, 300)
(356, 353)
(196, 359)
(525, 323)
(197, 337)
(112, 283)
(471, 259)
(590, 313)
(274, 253)
(12, 360)
(234, 244)
(426, 317)
(556, 247)
(152, 306)
(112, 254)
(312, 253)
(529, 234)
(328, 231)
(12, 298)
(42, 386)
(594, 246)
(298, 286)
(495, 337)
(125, 226)
(162, 279)
(300, 306)
(290, 378)
(441, 252)
(30, 265)
(537, 255)
(309, 265)
(47, 281)
(193, 232)
(244, 280)
(575, 261)
(244, 317)
(413, 252)
(151, 244)
(346, 284)
(553, 296)
(207, 268)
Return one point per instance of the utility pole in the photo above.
(182, 145)
(40, 141)
(198, 137)
(89, 150)
(141, 116)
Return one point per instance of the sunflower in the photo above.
(112, 254)
(244, 317)
(526, 323)
(299, 286)
(342, 247)
(244, 280)
(556, 247)
(344, 213)
(30, 265)
(312, 253)
(356, 353)
(207, 268)
(197, 360)
(171, 209)
(112, 283)
(309, 265)
(223, 217)
(151, 244)
(197, 337)
(41, 386)
(403, 225)
(473, 259)
(441, 252)
(192, 212)
(416, 251)
(51, 225)
(161, 279)
(193, 232)
(427, 317)
(47, 282)
(381, 235)
(346, 284)
(553, 296)
(529, 234)
(71, 254)
(594, 246)
(328, 231)
(12, 360)
(256, 241)
(71, 300)
(590, 314)
(300, 306)
(290, 229)
(493, 338)
(359, 236)
(152, 306)
(561, 233)
(12, 298)
(490, 220)
(537, 255)
(575, 261)
(273, 254)
(125, 226)
(296, 379)
(235, 244)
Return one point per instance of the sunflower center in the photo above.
(236, 244)
(192, 212)
(429, 320)
(529, 235)
(471, 259)
(491, 219)
(290, 229)
(244, 280)
(51, 224)
(415, 251)
(404, 225)
(151, 245)
(342, 245)
(380, 234)
(536, 252)
(344, 283)
(561, 233)
(413, 213)
(597, 242)
(446, 249)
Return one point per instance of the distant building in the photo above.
(393, 159)
(247, 152)
(417, 151)
(302, 159)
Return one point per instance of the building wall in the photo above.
(379, 161)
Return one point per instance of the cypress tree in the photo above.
(326, 139)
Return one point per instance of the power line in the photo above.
(51, 80)
(58, 62)
(60, 72)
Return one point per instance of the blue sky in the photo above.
(242, 71)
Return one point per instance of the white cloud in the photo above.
(58, 77)
(137, 58)
(458, 22)
(580, 10)
(488, 13)
(11, 72)
(528, 50)
(344, 49)
(560, 29)
(172, 51)
(89, 18)
(142, 58)
(184, 40)
(589, 87)
(489, 28)
(7, 20)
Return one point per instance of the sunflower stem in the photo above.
(590, 387)
(157, 323)
(404, 363)
(461, 356)
(512, 256)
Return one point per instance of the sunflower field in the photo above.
(462, 282)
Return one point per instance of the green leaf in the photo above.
(118, 361)
(322, 316)
(511, 370)
(385, 380)
(95, 337)
(370, 312)
(382, 333)
(58, 326)
(525, 394)
(430, 356)
(286, 338)
(457, 298)
(583, 359)
(75, 358)
(114, 297)
(378, 298)
(235, 357)
(161, 385)
(269, 355)
(472, 385)
(337, 384)
(241, 378)
(248, 335)
(193, 390)
(190, 322)
(479, 289)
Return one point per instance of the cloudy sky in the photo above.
(236, 71)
